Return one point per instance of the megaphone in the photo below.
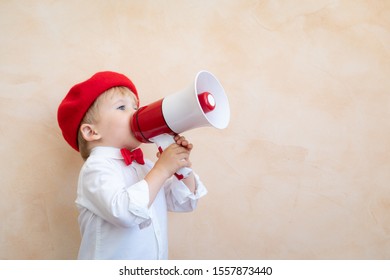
(204, 103)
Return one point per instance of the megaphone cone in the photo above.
(204, 103)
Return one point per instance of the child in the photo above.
(122, 198)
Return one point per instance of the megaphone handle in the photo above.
(163, 141)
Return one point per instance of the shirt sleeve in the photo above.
(103, 190)
(180, 198)
(139, 199)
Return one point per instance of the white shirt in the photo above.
(115, 220)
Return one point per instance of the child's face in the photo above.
(113, 125)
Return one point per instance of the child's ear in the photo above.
(88, 132)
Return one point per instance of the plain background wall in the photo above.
(302, 171)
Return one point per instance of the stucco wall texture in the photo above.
(301, 172)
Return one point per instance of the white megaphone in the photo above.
(204, 103)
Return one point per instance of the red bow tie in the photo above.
(136, 155)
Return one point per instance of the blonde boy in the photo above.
(122, 198)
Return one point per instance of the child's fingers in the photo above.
(179, 139)
(189, 146)
(182, 141)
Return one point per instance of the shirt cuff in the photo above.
(139, 200)
(182, 194)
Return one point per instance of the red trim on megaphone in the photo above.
(207, 101)
(149, 121)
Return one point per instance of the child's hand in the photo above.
(180, 140)
(190, 180)
(174, 157)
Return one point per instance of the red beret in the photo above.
(81, 96)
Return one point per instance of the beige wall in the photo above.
(302, 171)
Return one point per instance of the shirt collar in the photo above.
(110, 152)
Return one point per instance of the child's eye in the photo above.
(122, 107)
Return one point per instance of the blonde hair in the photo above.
(92, 116)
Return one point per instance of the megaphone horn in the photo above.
(204, 103)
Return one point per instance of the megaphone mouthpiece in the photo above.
(148, 121)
